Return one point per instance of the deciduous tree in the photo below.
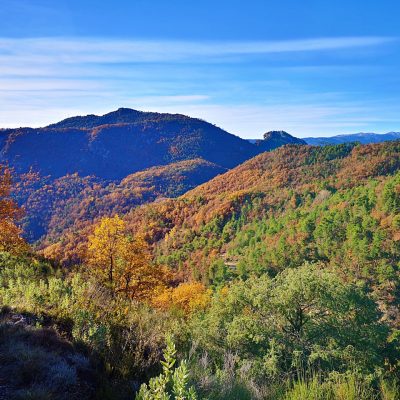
(123, 262)
(10, 234)
(107, 247)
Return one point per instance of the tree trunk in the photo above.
(110, 272)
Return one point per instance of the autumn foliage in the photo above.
(10, 233)
(187, 297)
(123, 262)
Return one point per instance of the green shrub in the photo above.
(173, 383)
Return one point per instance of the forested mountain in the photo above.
(335, 204)
(118, 144)
(363, 138)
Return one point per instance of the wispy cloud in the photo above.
(88, 50)
(24, 85)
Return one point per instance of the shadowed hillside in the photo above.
(54, 205)
(37, 363)
(118, 144)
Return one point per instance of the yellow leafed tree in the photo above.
(106, 247)
(187, 297)
(124, 262)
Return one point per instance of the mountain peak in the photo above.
(122, 111)
(280, 135)
(274, 139)
(119, 143)
(120, 116)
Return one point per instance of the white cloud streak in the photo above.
(86, 50)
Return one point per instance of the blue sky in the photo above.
(313, 68)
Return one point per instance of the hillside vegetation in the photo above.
(276, 280)
(52, 206)
(337, 204)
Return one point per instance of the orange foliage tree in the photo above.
(10, 234)
(138, 278)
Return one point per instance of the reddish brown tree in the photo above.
(10, 233)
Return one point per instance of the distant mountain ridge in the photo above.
(363, 138)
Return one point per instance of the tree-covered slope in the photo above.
(118, 144)
(54, 205)
(338, 205)
(334, 204)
